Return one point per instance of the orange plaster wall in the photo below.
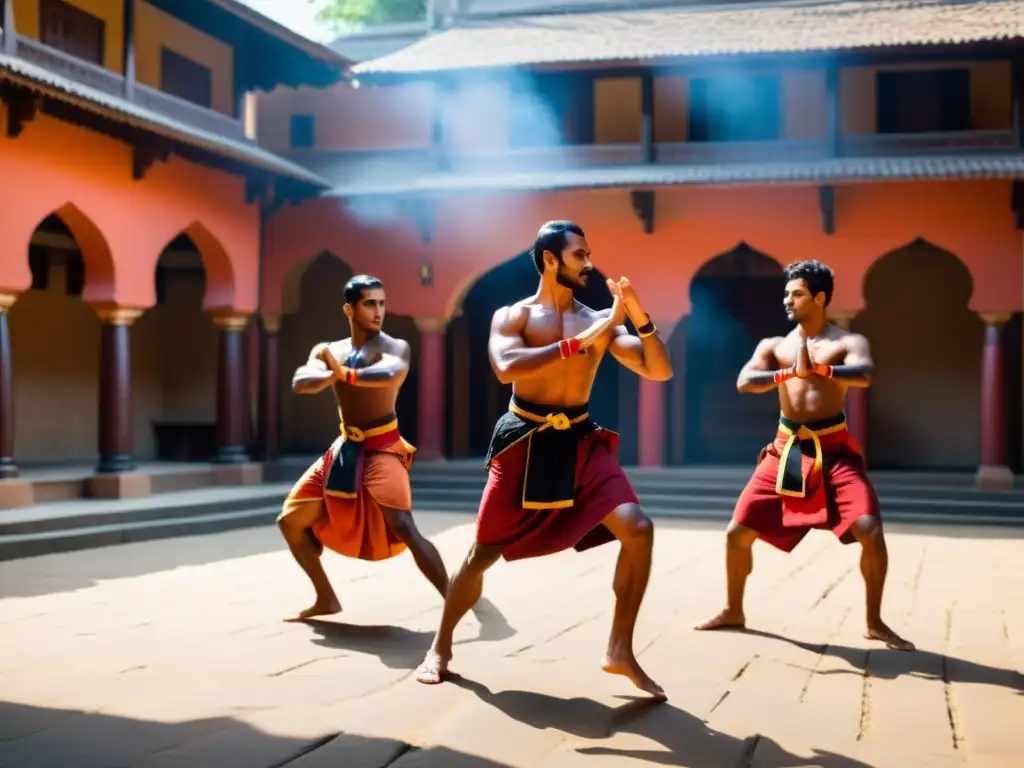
(123, 225)
(474, 233)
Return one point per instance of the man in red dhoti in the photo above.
(813, 474)
(355, 499)
(554, 481)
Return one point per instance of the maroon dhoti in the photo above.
(523, 528)
(811, 476)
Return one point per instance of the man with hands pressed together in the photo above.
(813, 474)
(356, 498)
(554, 482)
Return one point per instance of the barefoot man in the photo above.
(813, 474)
(554, 481)
(356, 499)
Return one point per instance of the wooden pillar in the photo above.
(231, 437)
(10, 33)
(459, 413)
(268, 417)
(647, 118)
(8, 468)
(651, 424)
(116, 425)
(857, 398)
(431, 389)
(993, 472)
(128, 43)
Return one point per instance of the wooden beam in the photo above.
(647, 117)
(643, 207)
(833, 111)
(129, 49)
(10, 33)
(827, 208)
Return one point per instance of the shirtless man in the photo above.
(813, 474)
(356, 499)
(554, 481)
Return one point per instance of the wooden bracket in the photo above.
(827, 208)
(22, 107)
(643, 207)
(143, 157)
(423, 213)
(1017, 203)
(256, 188)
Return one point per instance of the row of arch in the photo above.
(927, 342)
(123, 276)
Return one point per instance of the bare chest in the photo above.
(825, 351)
(544, 328)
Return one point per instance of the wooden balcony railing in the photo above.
(114, 84)
(378, 165)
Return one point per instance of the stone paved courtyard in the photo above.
(172, 653)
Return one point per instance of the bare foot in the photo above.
(628, 666)
(322, 607)
(725, 620)
(881, 632)
(432, 669)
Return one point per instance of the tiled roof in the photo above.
(689, 31)
(103, 103)
(827, 171)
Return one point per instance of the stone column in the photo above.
(458, 420)
(231, 437)
(8, 469)
(652, 423)
(993, 473)
(268, 416)
(857, 401)
(116, 429)
(430, 392)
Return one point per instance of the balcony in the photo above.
(382, 169)
(116, 85)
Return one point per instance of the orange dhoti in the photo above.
(362, 473)
(812, 476)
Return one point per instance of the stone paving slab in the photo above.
(172, 653)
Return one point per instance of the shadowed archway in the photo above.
(926, 344)
(507, 283)
(55, 340)
(736, 300)
(313, 306)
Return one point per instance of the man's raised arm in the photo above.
(389, 370)
(759, 374)
(857, 367)
(510, 358)
(312, 376)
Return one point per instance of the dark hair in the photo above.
(357, 284)
(553, 237)
(817, 275)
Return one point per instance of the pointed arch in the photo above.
(294, 282)
(220, 274)
(97, 257)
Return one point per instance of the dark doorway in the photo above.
(488, 399)
(736, 300)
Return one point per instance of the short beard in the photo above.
(567, 282)
(368, 330)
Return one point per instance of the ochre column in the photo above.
(857, 401)
(430, 393)
(8, 468)
(458, 421)
(993, 472)
(268, 410)
(115, 425)
(231, 432)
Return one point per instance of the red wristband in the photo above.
(783, 375)
(569, 347)
(823, 370)
(351, 376)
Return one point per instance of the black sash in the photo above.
(553, 433)
(346, 469)
(791, 481)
